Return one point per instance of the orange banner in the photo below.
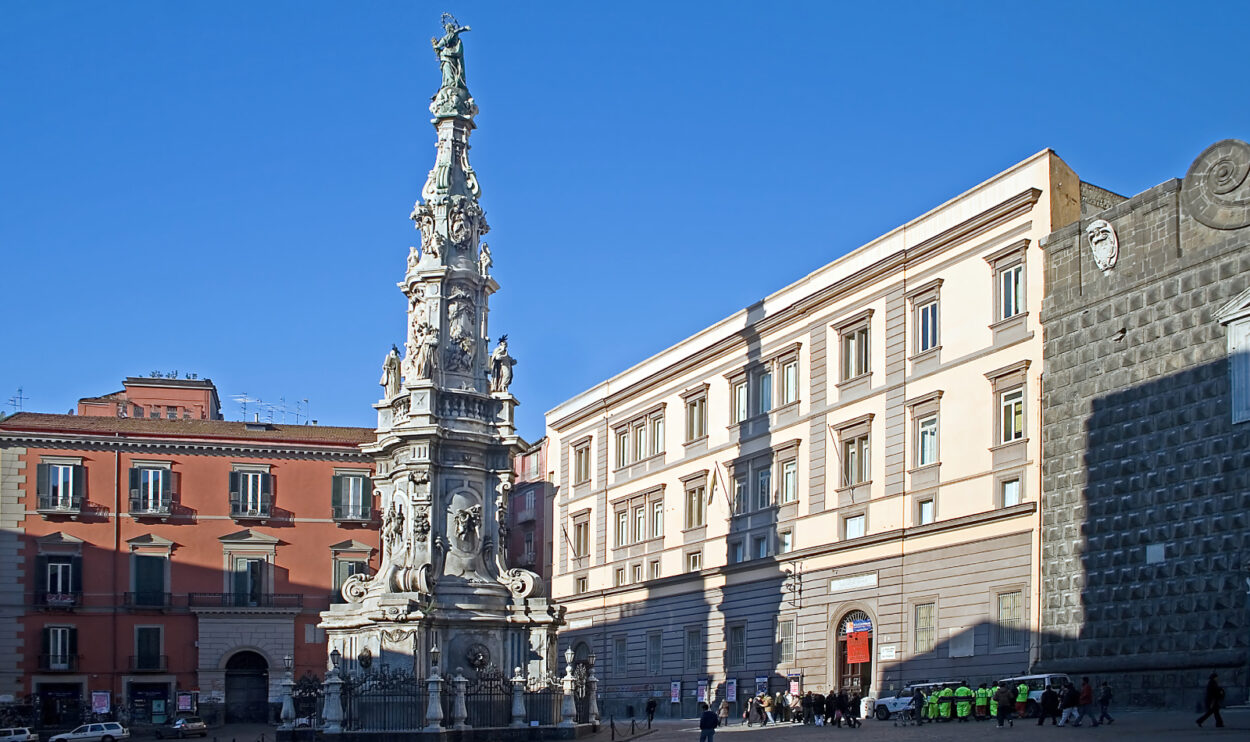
(858, 646)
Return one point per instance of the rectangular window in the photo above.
(655, 569)
(694, 649)
(694, 561)
(926, 629)
(655, 653)
(695, 507)
(640, 523)
(1011, 417)
(760, 544)
(1011, 492)
(789, 382)
(529, 500)
(740, 401)
(622, 528)
(581, 539)
(785, 542)
(622, 448)
(696, 418)
(764, 488)
(737, 642)
(640, 442)
(60, 580)
(927, 327)
(581, 464)
(854, 460)
(637, 573)
(61, 487)
(789, 482)
(347, 497)
(250, 482)
(583, 584)
(149, 490)
(620, 655)
(249, 581)
(765, 386)
(1011, 290)
(737, 554)
(620, 576)
(785, 641)
(657, 434)
(149, 579)
(853, 526)
(924, 512)
(657, 519)
(1007, 630)
(250, 494)
(927, 441)
(741, 495)
(855, 353)
(60, 648)
(343, 569)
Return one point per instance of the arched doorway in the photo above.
(854, 652)
(247, 688)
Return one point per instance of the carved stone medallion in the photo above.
(1104, 244)
(1216, 190)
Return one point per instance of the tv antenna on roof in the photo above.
(16, 400)
(243, 401)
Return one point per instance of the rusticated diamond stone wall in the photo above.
(1146, 481)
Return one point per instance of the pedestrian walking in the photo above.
(920, 707)
(808, 717)
(708, 722)
(1050, 707)
(994, 702)
(1003, 707)
(766, 703)
(1104, 702)
(840, 702)
(1022, 699)
(650, 711)
(1069, 700)
(852, 711)
(1212, 700)
(723, 712)
(1085, 704)
(748, 713)
(819, 708)
(982, 702)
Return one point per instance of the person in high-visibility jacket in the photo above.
(931, 704)
(963, 701)
(982, 695)
(994, 701)
(1022, 699)
(944, 702)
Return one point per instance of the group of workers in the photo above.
(961, 702)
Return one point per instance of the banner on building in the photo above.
(761, 684)
(674, 692)
(857, 647)
(796, 683)
(731, 690)
(101, 702)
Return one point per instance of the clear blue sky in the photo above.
(223, 187)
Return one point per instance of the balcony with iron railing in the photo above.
(149, 663)
(58, 504)
(151, 507)
(58, 662)
(53, 599)
(148, 600)
(351, 514)
(282, 601)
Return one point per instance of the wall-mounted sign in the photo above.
(888, 651)
(674, 692)
(761, 684)
(101, 702)
(731, 690)
(582, 623)
(703, 692)
(853, 582)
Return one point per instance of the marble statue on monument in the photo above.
(444, 448)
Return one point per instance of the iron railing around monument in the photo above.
(488, 700)
(383, 700)
(306, 699)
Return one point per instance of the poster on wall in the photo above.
(703, 691)
(101, 702)
(674, 692)
(184, 702)
(761, 684)
(731, 690)
(857, 647)
(796, 683)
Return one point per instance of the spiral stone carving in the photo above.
(1216, 190)
(355, 588)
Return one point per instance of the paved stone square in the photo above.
(1141, 725)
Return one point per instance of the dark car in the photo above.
(186, 726)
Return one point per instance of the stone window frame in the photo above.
(581, 583)
(1234, 317)
(781, 541)
(79, 494)
(694, 651)
(348, 552)
(691, 483)
(859, 512)
(249, 548)
(1001, 479)
(732, 662)
(744, 474)
(629, 505)
(927, 294)
(784, 658)
(758, 540)
(737, 545)
(915, 603)
(1010, 378)
(845, 432)
(578, 448)
(928, 497)
(149, 546)
(752, 374)
(1001, 261)
(654, 572)
(134, 641)
(849, 378)
(619, 577)
(636, 575)
(655, 660)
(620, 653)
(993, 594)
(739, 389)
(922, 408)
(651, 422)
(580, 518)
(694, 396)
(693, 560)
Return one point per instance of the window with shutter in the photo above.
(149, 580)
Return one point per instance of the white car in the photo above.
(105, 731)
(886, 707)
(18, 734)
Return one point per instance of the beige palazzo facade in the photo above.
(836, 486)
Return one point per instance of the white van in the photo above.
(1037, 684)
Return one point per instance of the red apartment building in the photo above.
(169, 558)
(530, 539)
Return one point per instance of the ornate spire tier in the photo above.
(446, 439)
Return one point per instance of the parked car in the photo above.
(890, 705)
(18, 734)
(105, 731)
(185, 726)
(1037, 684)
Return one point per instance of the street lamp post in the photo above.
(568, 709)
(288, 702)
(332, 704)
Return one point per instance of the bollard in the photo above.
(633, 726)
(612, 725)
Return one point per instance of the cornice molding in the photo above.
(224, 448)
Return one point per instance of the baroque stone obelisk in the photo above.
(444, 448)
